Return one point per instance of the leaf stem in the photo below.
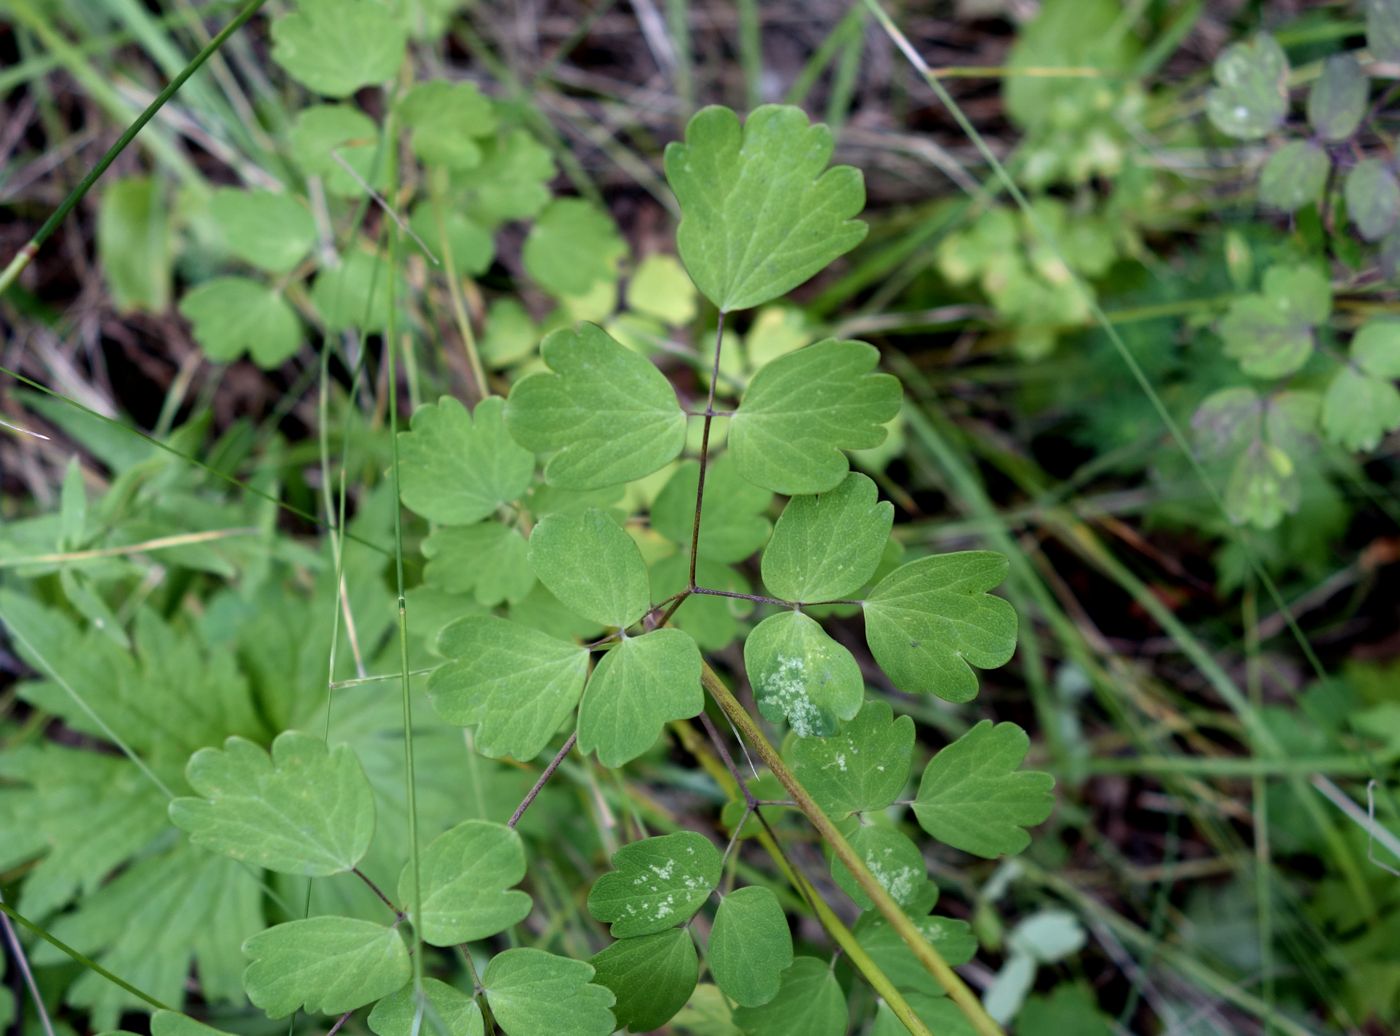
(705, 452)
(730, 780)
(26, 254)
(398, 914)
(534, 792)
(923, 950)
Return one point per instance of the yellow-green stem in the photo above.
(921, 948)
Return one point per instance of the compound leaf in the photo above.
(800, 675)
(952, 939)
(809, 1003)
(1373, 198)
(330, 965)
(466, 874)
(1294, 176)
(750, 946)
(928, 623)
(828, 546)
(456, 467)
(447, 1012)
(572, 246)
(863, 767)
(335, 47)
(1251, 95)
(1337, 100)
(234, 315)
(733, 524)
(1362, 404)
(305, 810)
(804, 408)
(640, 685)
(1271, 333)
(760, 212)
(973, 797)
(448, 120)
(652, 977)
(514, 684)
(605, 413)
(590, 563)
(655, 883)
(530, 991)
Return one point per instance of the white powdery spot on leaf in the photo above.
(786, 687)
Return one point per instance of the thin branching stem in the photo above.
(705, 452)
(534, 792)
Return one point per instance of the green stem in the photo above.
(924, 952)
(26, 254)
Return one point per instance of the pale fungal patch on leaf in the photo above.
(786, 687)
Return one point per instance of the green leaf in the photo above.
(1271, 334)
(447, 120)
(606, 414)
(802, 676)
(660, 288)
(325, 131)
(1251, 95)
(1337, 100)
(713, 621)
(305, 810)
(335, 47)
(655, 883)
(810, 1003)
(515, 685)
(330, 965)
(760, 212)
(355, 294)
(928, 623)
(488, 560)
(1294, 176)
(133, 244)
(750, 946)
(467, 873)
(1069, 1007)
(590, 563)
(1362, 404)
(640, 685)
(447, 1012)
(973, 797)
(446, 230)
(652, 977)
(272, 232)
(1257, 437)
(828, 546)
(512, 180)
(953, 940)
(803, 409)
(457, 467)
(1373, 198)
(171, 1023)
(530, 991)
(733, 524)
(863, 767)
(572, 246)
(940, 1014)
(1383, 29)
(234, 315)
(894, 861)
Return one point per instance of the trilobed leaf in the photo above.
(330, 965)
(604, 415)
(760, 211)
(514, 684)
(305, 809)
(931, 623)
(974, 797)
(655, 883)
(803, 409)
(466, 875)
(457, 466)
